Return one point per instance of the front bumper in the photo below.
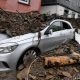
(5, 62)
(8, 61)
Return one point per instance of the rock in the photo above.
(41, 75)
(32, 77)
(75, 69)
(21, 67)
(8, 33)
(48, 77)
(50, 72)
(59, 51)
(66, 74)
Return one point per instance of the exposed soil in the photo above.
(8, 75)
(16, 24)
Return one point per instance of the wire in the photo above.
(39, 38)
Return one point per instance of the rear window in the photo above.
(66, 26)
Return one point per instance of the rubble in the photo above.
(75, 69)
(15, 24)
(9, 75)
(66, 72)
(32, 77)
(49, 77)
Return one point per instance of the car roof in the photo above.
(60, 20)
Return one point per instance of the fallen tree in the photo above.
(62, 60)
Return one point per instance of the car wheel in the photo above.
(27, 58)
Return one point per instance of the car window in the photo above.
(66, 26)
(56, 26)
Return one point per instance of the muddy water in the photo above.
(8, 75)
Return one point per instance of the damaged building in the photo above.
(66, 8)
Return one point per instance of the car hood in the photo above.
(3, 36)
(18, 38)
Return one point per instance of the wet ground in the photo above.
(8, 75)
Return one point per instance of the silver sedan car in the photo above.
(13, 50)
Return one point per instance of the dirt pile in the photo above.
(15, 24)
(18, 24)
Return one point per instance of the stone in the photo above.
(48, 77)
(32, 77)
(66, 74)
(75, 69)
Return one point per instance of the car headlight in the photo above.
(8, 47)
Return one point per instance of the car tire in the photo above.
(26, 59)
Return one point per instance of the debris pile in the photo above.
(20, 23)
(15, 24)
(65, 72)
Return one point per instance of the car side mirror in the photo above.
(48, 32)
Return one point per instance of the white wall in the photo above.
(76, 15)
(49, 9)
(52, 9)
(70, 14)
(59, 10)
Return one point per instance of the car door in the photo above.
(53, 39)
(67, 31)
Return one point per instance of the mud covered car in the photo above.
(14, 51)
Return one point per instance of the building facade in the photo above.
(20, 5)
(66, 8)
